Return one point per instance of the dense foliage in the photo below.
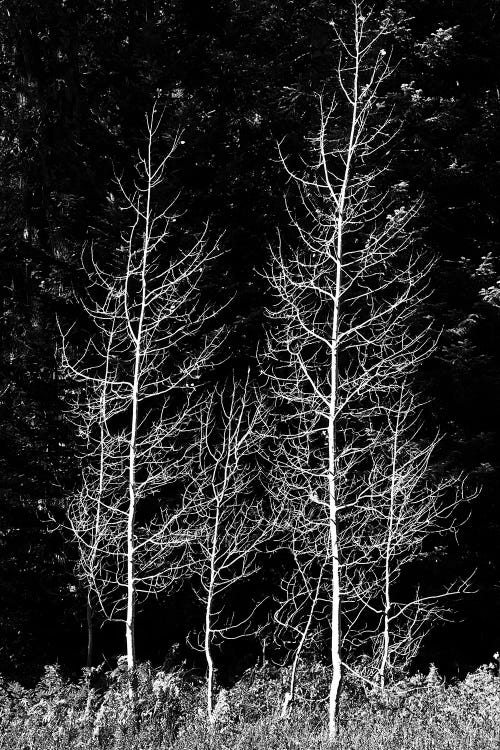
(419, 713)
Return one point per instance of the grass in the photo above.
(415, 714)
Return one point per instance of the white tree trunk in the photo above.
(336, 636)
(208, 619)
(137, 338)
(387, 555)
(333, 707)
(290, 694)
(210, 664)
(90, 633)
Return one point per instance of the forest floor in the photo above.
(418, 713)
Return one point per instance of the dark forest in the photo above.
(234, 93)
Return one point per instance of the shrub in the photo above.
(420, 713)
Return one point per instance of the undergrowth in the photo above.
(421, 712)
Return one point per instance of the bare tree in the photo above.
(297, 612)
(138, 374)
(342, 330)
(223, 512)
(405, 504)
(90, 415)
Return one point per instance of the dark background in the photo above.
(236, 77)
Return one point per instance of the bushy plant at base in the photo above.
(415, 713)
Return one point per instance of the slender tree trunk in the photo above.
(385, 648)
(336, 643)
(336, 639)
(131, 596)
(137, 339)
(290, 694)
(387, 556)
(90, 634)
(131, 582)
(208, 616)
(336, 635)
(210, 664)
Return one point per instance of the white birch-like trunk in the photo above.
(132, 468)
(290, 694)
(90, 633)
(387, 557)
(335, 644)
(208, 619)
(131, 590)
(336, 635)
(387, 608)
(131, 583)
(210, 666)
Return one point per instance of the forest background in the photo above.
(236, 78)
